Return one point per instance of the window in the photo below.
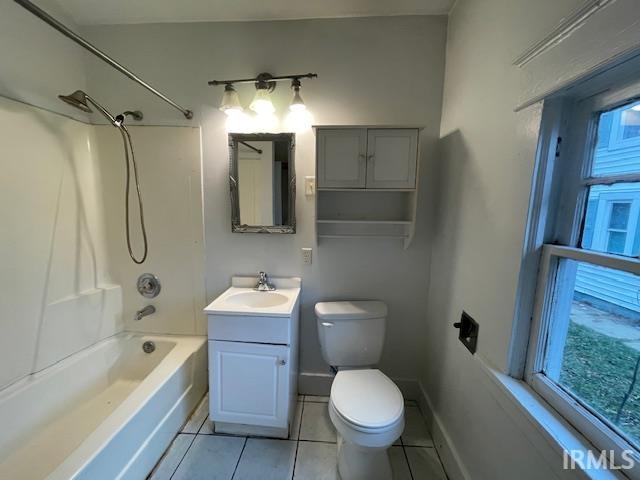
(584, 348)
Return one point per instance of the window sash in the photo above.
(601, 434)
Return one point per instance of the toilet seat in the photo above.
(367, 400)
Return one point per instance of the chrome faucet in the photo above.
(263, 283)
(148, 310)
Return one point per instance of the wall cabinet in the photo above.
(367, 158)
(343, 153)
(367, 179)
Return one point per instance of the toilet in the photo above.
(365, 406)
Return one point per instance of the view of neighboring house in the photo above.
(612, 222)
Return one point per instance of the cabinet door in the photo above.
(392, 156)
(249, 383)
(342, 158)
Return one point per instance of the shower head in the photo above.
(81, 100)
(77, 99)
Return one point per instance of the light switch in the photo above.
(309, 186)
(307, 256)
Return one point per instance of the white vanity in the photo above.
(253, 357)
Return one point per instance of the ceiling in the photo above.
(95, 12)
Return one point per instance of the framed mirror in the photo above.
(262, 180)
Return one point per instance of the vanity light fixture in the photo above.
(299, 118)
(297, 103)
(230, 100)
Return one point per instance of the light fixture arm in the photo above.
(264, 80)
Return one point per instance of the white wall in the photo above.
(371, 71)
(38, 63)
(57, 295)
(484, 182)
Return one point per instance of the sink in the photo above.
(257, 299)
(241, 299)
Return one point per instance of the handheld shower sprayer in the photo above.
(81, 100)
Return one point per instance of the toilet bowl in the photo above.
(365, 406)
(367, 410)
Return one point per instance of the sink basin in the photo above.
(257, 299)
(241, 299)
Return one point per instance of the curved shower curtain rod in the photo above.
(44, 16)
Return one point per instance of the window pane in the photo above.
(631, 122)
(594, 343)
(619, 215)
(604, 129)
(612, 219)
(616, 243)
(618, 142)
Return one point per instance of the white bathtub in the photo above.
(107, 412)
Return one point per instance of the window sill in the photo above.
(542, 425)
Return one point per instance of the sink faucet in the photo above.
(148, 310)
(263, 283)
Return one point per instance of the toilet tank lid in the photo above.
(351, 310)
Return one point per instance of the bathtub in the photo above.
(107, 412)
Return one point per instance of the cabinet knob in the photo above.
(282, 362)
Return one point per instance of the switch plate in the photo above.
(309, 186)
(307, 256)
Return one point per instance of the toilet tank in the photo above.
(351, 333)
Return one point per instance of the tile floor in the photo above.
(310, 454)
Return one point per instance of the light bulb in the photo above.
(230, 100)
(297, 104)
(261, 103)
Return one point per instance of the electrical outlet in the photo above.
(309, 186)
(307, 256)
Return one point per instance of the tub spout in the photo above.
(148, 310)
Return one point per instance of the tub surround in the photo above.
(253, 357)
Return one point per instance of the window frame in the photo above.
(557, 210)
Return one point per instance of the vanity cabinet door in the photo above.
(392, 155)
(249, 383)
(342, 158)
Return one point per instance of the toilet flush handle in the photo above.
(327, 324)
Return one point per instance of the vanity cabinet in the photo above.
(376, 158)
(253, 357)
(367, 182)
(251, 383)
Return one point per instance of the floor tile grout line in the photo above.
(406, 457)
(295, 459)
(244, 445)
(194, 435)
(440, 460)
(318, 441)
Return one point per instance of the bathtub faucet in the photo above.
(148, 310)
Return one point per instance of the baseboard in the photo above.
(310, 383)
(314, 383)
(449, 456)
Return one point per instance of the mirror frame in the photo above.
(236, 226)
